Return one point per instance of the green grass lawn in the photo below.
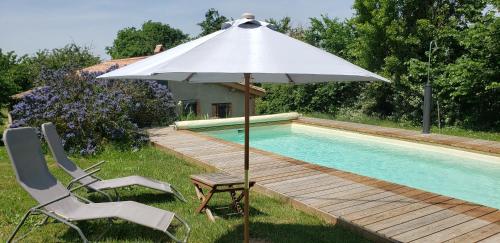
(271, 220)
(454, 131)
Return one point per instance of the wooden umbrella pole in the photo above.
(246, 229)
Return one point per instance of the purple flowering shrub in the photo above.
(89, 112)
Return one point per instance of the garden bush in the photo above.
(89, 112)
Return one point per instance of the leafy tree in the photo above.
(133, 42)
(332, 35)
(468, 86)
(212, 23)
(70, 57)
(23, 71)
(283, 25)
(7, 81)
(392, 37)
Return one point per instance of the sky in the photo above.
(30, 25)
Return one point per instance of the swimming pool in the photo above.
(464, 175)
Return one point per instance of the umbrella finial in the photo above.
(248, 16)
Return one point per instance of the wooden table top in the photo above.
(218, 179)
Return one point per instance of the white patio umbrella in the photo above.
(249, 50)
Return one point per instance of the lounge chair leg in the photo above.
(44, 221)
(110, 224)
(82, 236)
(19, 225)
(105, 194)
(117, 195)
(178, 194)
(184, 240)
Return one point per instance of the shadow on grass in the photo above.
(226, 211)
(116, 232)
(290, 233)
(144, 197)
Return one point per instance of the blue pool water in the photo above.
(468, 176)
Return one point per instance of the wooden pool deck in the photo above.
(380, 210)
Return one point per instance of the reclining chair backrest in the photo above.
(30, 167)
(57, 149)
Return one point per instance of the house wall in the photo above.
(208, 94)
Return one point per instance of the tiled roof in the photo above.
(103, 66)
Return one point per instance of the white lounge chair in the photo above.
(57, 202)
(93, 182)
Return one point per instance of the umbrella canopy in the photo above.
(245, 46)
(249, 50)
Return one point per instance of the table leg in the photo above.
(210, 215)
(199, 192)
(235, 202)
(205, 200)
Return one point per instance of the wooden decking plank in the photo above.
(277, 185)
(274, 171)
(320, 199)
(278, 173)
(400, 211)
(271, 180)
(429, 231)
(209, 147)
(430, 209)
(261, 171)
(330, 205)
(366, 202)
(225, 155)
(426, 220)
(477, 234)
(257, 164)
(492, 239)
(391, 204)
(357, 198)
(335, 189)
(327, 185)
(351, 187)
(307, 183)
(470, 223)
(372, 185)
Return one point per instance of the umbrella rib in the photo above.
(188, 77)
(290, 80)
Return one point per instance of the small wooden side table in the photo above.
(215, 183)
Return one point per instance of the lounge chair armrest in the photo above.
(81, 185)
(52, 201)
(95, 165)
(81, 177)
(85, 199)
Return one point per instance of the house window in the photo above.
(221, 110)
(189, 107)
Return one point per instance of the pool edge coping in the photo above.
(435, 139)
